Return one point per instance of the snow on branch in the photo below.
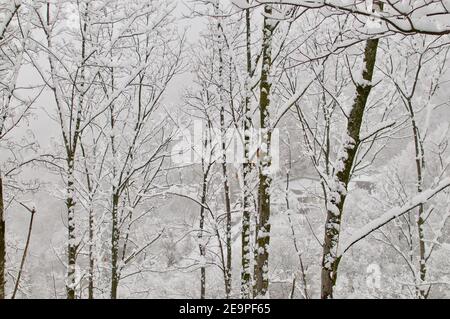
(118, 92)
(242, 4)
(393, 214)
(425, 17)
(292, 100)
(377, 129)
(8, 16)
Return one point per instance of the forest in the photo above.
(224, 149)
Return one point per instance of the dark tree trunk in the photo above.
(91, 255)
(202, 247)
(91, 226)
(115, 274)
(247, 201)
(420, 167)
(2, 242)
(71, 247)
(337, 196)
(261, 271)
(226, 186)
(25, 251)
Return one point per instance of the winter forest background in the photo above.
(224, 149)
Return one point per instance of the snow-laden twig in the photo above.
(10, 12)
(292, 100)
(415, 17)
(377, 129)
(392, 214)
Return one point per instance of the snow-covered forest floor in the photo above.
(224, 149)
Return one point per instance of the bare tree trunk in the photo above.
(91, 255)
(337, 196)
(261, 271)
(294, 238)
(420, 166)
(201, 243)
(228, 281)
(70, 139)
(71, 246)
(91, 212)
(115, 246)
(25, 251)
(71, 148)
(227, 206)
(202, 247)
(247, 202)
(91, 226)
(226, 186)
(2, 242)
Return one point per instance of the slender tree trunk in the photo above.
(115, 275)
(2, 242)
(200, 236)
(70, 144)
(25, 252)
(294, 239)
(420, 166)
(91, 254)
(247, 201)
(228, 282)
(91, 226)
(226, 186)
(70, 149)
(71, 247)
(338, 192)
(91, 211)
(227, 207)
(422, 290)
(201, 245)
(261, 271)
(114, 200)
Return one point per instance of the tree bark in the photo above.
(2, 242)
(91, 254)
(227, 200)
(338, 192)
(420, 166)
(201, 245)
(226, 186)
(25, 251)
(71, 140)
(115, 246)
(261, 269)
(201, 240)
(71, 246)
(91, 226)
(247, 168)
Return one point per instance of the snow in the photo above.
(377, 129)
(128, 141)
(241, 4)
(392, 214)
